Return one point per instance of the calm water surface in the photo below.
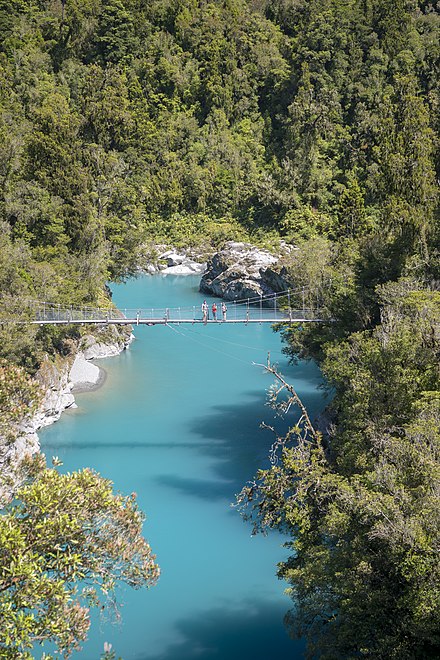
(177, 421)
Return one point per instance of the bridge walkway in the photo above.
(273, 308)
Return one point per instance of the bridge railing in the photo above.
(274, 307)
(55, 313)
(236, 312)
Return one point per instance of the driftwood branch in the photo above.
(261, 500)
(293, 398)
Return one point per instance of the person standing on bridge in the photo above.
(224, 310)
(205, 310)
(214, 311)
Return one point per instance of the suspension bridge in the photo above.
(273, 308)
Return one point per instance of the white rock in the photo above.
(197, 267)
(101, 351)
(166, 254)
(187, 268)
(83, 372)
(93, 349)
(176, 262)
(68, 400)
(57, 380)
(175, 259)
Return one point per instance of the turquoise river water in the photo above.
(177, 421)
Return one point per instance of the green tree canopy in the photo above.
(67, 540)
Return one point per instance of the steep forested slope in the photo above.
(126, 119)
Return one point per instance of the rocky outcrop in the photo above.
(85, 375)
(53, 377)
(11, 454)
(241, 270)
(181, 263)
(107, 342)
(170, 261)
(60, 379)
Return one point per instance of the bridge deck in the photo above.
(149, 322)
(274, 308)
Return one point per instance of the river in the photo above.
(177, 421)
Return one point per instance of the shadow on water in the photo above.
(174, 414)
(123, 445)
(202, 488)
(230, 435)
(247, 633)
(237, 444)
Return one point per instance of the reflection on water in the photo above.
(177, 421)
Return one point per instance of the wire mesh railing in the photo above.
(274, 307)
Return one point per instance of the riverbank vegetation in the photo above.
(66, 541)
(125, 123)
(361, 503)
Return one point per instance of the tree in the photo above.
(64, 539)
(351, 210)
(115, 33)
(19, 398)
(363, 569)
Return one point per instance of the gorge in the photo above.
(177, 421)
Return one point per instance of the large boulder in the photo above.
(172, 258)
(84, 374)
(242, 270)
(275, 280)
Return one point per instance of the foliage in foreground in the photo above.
(65, 539)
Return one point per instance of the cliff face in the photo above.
(59, 378)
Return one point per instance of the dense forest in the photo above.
(128, 123)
